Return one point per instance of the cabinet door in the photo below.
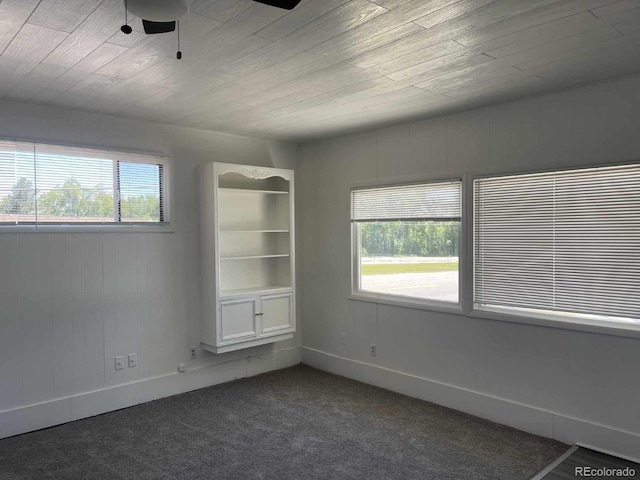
(238, 319)
(277, 312)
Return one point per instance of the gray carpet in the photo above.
(294, 424)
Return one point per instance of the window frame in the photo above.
(574, 322)
(406, 301)
(465, 307)
(161, 227)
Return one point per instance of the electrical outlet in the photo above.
(133, 360)
(194, 352)
(182, 368)
(119, 363)
(343, 339)
(374, 350)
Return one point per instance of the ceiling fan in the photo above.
(161, 16)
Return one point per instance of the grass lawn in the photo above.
(391, 268)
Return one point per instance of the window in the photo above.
(565, 242)
(406, 240)
(44, 184)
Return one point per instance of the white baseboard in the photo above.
(63, 410)
(506, 412)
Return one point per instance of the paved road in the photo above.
(435, 286)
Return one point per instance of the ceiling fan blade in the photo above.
(151, 28)
(286, 4)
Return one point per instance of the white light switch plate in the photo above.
(133, 360)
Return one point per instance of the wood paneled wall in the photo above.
(573, 374)
(71, 302)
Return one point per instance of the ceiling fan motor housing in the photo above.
(160, 11)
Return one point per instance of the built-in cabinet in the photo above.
(248, 256)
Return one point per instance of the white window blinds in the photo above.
(17, 183)
(565, 242)
(427, 201)
(55, 184)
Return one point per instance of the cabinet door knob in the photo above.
(259, 314)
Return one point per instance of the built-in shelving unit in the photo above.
(248, 256)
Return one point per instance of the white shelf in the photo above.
(251, 257)
(255, 231)
(270, 289)
(248, 248)
(247, 190)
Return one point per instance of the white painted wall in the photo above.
(71, 302)
(570, 385)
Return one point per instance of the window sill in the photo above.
(406, 302)
(603, 327)
(167, 228)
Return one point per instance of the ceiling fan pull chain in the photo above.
(179, 53)
(126, 29)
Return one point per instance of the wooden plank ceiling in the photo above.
(327, 67)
